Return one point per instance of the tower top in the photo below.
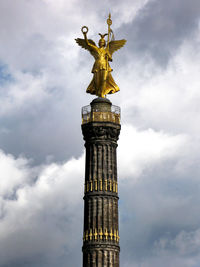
(101, 105)
(101, 109)
(100, 100)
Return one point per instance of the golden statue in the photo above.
(102, 82)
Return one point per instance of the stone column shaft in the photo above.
(101, 230)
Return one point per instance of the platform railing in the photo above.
(90, 115)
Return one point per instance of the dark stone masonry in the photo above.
(101, 129)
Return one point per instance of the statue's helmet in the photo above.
(102, 41)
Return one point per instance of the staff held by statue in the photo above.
(109, 22)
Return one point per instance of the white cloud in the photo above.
(139, 149)
(25, 92)
(165, 99)
(14, 173)
(44, 216)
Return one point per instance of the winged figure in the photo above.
(102, 82)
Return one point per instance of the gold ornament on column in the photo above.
(102, 82)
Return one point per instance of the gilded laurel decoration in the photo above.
(102, 82)
(101, 186)
(101, 235)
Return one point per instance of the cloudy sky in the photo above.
(43, 78)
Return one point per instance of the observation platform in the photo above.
(101, 110)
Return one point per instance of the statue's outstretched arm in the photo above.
(90, 43)
(85, 37)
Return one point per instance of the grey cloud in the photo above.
(43, 134)
(161, 27)
(160, 217)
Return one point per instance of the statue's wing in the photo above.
(115, 45)
(84, 44)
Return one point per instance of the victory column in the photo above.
(101, 128)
